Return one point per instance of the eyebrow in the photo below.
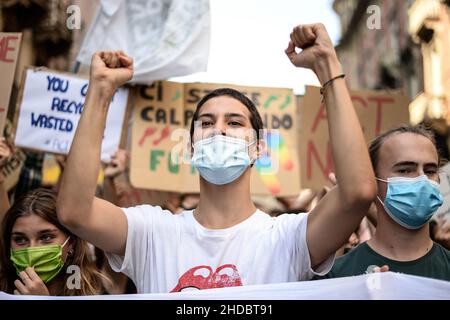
(412, 163)
(47, 231)
(18, 233)
(227, 115)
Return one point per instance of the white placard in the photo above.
(50, 109)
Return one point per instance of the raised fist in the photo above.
(110, 69)
(317, 50)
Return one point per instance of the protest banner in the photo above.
(49, 108)
(371, 286)
(377, 112)
(9, 53)
(165, 107)
(165, 38)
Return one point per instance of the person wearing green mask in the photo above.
(41, 257)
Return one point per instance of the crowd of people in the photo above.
(77, 239)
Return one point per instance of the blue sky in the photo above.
(248, 38)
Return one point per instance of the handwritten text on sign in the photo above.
(9, 51)
(377, 112)
(51, 107)
(165, 109)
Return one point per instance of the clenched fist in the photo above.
(317, 51)
(110, 70)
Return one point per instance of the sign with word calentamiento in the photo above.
(377, 111)
(9, 52)
(160, 137)
(49, 108)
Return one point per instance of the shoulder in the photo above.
(441, 250)
(347, 264)
(152, 214)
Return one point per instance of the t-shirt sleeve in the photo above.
(139, 232)
(296, 226)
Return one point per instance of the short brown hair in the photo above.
(375, 145)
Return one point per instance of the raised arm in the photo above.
(338, 214)
(93, 219)
(5, 153)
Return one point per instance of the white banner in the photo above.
(375, 286)
(50, 109)
(166, 38)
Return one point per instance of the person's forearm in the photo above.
(81, 171)
(350, 155)
(4, 200)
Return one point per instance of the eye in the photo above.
(47, 237)
(431, 172)
(234, 123)
(206, 124)
(20, 240)
(404, 171)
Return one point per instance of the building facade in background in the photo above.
(429, 26)
(379, 56)
(409, 52)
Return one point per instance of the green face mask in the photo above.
(46, 260)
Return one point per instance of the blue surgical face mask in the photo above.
(221, 159)
(411, 202)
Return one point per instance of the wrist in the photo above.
(328, 67)
(101, 89)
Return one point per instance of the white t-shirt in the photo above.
(171, 253)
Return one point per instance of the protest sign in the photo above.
(165, 107)
(49, 108)
(377, 112)
(9, 52)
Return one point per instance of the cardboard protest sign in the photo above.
(377, 112)
(9, 52)
(49, 108)
(161, 122)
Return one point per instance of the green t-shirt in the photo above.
(435, 264)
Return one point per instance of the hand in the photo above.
(117, 165)
(384, 268)
(30, 284)
(110, 70)
(332, 179)
(317, 52)
(5, 152)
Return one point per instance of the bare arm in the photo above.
(4, 200)
(93, 219)
(339, 213)
(5, 153)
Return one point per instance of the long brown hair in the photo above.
(42, 202)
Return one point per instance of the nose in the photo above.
(34, 243)
(220, 128)
(420, 171)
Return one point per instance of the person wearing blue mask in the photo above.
(225, 241)
(406, 161)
